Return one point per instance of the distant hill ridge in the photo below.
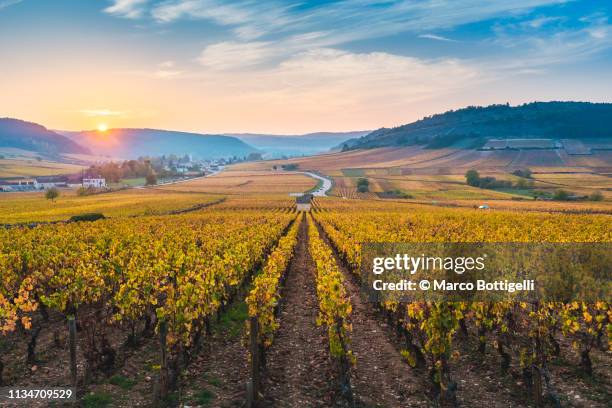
(131, 143)
(305, 144)
(472, 126)
(31, 136)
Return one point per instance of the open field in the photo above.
(438, 174)
(235, 181)
(32, 167)
(418, 160)
(503, 205)
(34, 207)
(198, 280)
(428, 187)
(580, 183)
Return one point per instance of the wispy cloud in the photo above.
(436, 37)
(346, 19)
(166, 70)
(7, 3)
(539, 22)
(127, 8)
(534, 50)
(100, 112)
(339, 85)
(231, 55)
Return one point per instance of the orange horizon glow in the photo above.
(102, 127)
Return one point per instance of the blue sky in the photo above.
(290, 67)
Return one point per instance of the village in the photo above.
(168, 171)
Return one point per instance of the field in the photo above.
(438, 175)
(418, 160)
(34, 207)
(236, 182)
(184, 308)
(30, 167)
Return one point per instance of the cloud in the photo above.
(569, 44)
(600, 32)
(166, 70)
(328, 81)
(163, 70)
(345, 20)
(127, 8)
(166, 64)
(264, 33)
(231, 55)
(436, 37)
(224, 14)
(100, 112)
(540, 22)
(375, 76)
(8, 3)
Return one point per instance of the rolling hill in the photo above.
(28, 136)
(133, 143)
(473, 127)
(297, 145)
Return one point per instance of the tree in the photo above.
(363, 185)
(254, 157)
(151, 179)
(289, 166)
(345, 148)
(523, 183)
(526, 173)
(596, 196)
(85, 191)
(52, 194)
(472, 178)
(561, 195)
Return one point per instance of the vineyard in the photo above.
(248, 302)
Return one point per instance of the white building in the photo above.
(94, 182)
(20, 184)
(47, 182)
(303, 202)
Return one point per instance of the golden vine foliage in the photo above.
(334, 304)
(265, 294)
(181, 268)
(432, 326)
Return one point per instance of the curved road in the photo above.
(327, 184)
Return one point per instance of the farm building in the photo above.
(303, 202)
(46, 182)
(94, 182)
(502, 144)
(18, 184)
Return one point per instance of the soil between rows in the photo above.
(298, 371)
(380, 377)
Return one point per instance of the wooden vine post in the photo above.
(163, 371)
(72, 332)
(254, 385)
(345, 366)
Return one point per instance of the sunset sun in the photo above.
(102, 127)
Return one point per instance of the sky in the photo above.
(290, 67)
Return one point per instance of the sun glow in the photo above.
(102, 127)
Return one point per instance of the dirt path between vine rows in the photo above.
(298, 369)
(380, 377)
(219, 374)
